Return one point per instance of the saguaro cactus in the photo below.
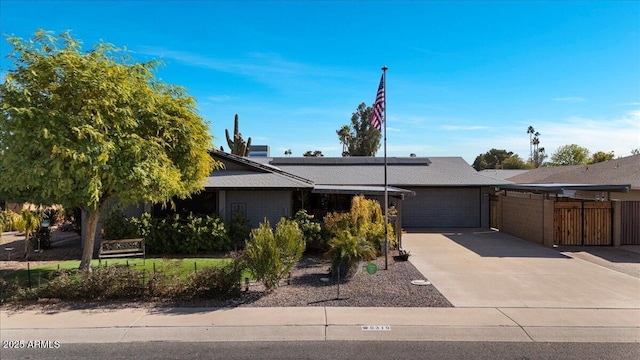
(237, 146)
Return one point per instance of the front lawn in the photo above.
(126, 278)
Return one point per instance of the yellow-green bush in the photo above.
(356, 235)
(271, 255)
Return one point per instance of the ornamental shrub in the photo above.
(356, 235)
(311, 231)
(182, 235)
(41, 238)
(239, 229)
(346, 251)
(270, 255)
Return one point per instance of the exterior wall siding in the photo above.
(259, 204)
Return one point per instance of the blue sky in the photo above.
(464, 76)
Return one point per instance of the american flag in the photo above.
(377, 115)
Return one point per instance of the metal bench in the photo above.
(121, 249)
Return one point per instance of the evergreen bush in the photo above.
(239, 229)
(271, 255)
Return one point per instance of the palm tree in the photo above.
(344, 134)
(530, 131)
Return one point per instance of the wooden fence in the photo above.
(630, 223)
(582, 223)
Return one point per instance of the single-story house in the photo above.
(434, 192)
(595, 204)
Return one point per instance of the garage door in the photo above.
(442, 207)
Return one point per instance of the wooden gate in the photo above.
(493, 211)
(630, 223)
(582, 223)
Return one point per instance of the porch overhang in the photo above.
(361, 190)
(561, 188)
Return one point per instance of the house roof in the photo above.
(561, 188)
(622, 171)
(401, 172)
(242, 173)
(503, 174)
(238, 179)
(361, 189)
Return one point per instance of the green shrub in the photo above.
(116, 226)
(356, 235)
(111, 282)
(347, 251)
(271, 256)
(10, 220)
(182, 235)
(311, 231)
(239, 229)
(220, 282)
(130, 283)
(41, 238)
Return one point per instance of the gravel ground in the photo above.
(310, 284)
(386, 288)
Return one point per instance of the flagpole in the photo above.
(386, 194)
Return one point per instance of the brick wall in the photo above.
(522, 215)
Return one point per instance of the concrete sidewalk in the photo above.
(323, 323)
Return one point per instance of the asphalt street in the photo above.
(329, 350)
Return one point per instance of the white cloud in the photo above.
(619, 135)
(255, 64)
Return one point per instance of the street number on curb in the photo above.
(376, 327)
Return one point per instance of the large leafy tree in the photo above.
(570, 155)
(360, 138)
(82, 129)
(498, 159)
(600, 156)
(315, 153)
(515, 162)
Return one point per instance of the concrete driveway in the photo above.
(482, 268)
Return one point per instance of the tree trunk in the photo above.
(89, 236)
(27, 242)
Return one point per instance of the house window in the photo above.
(239, 207)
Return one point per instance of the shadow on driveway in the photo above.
(491, 243)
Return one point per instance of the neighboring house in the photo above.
(595, 204)
(622, 171)
(503, 174)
